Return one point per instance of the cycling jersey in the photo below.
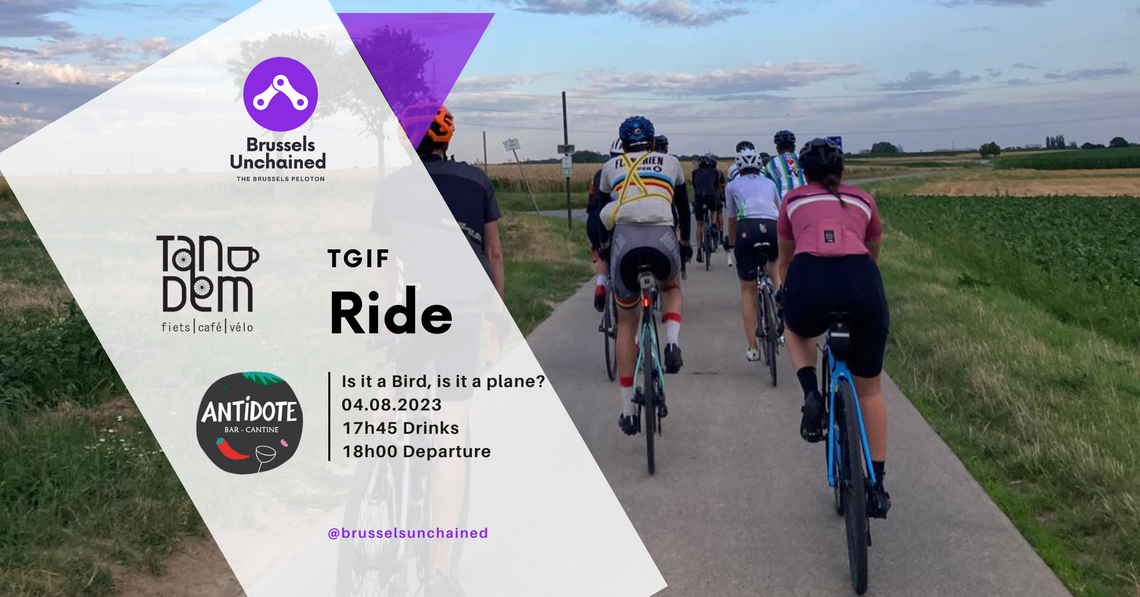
(707, 182)
(752, 196)
(784, 170)
(823, 225)
(641, 186)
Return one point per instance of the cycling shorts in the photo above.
(704, 204)
(638, 245)
(748, 256)
(818, 286)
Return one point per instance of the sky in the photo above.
(924, 74)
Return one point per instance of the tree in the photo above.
(399, 59)
(884, 147)
(1118, 142)
(990, 150)
(1092, 146)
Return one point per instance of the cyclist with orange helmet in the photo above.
(470, 196)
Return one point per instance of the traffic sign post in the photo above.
(838, 141)
(512, 145)
(567, 151)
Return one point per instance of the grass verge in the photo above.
(1042, 412)
(545, 263)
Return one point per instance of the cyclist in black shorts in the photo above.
(597, 233)
(708, 190)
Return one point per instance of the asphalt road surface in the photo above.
(740, 504)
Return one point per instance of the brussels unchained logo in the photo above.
(280, 94)
(249, 423)
(196, 274)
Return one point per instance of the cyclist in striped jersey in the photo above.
(784, 168)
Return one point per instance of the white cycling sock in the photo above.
(672, 328)
(627, 406)
(601, 279)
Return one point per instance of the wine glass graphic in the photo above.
(265, 455)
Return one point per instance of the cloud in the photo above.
(497, 83)
(993, 73)
(30, 18)
(924, 79)
(748, 79)
(1090, 73)
(677, 13)
(1024, 66)
(35, 74)
(1018, 82)
(958, 3)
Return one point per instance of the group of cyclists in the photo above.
(817, 238)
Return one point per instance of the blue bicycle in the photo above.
(650, 393)
(849, 469)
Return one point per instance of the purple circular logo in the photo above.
(280, 94)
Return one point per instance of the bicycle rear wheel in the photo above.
(853, 477)
(649, 392)
(708, 247)
(770, 337)
(609, 337)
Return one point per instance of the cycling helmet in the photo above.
(661, 143)
(616, 149)
(821, 157)
(636, 131)
(748, 159)
(706, 161)
(784, 138)
(440, 123)
(744, 145)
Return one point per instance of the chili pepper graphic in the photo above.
(229, 452)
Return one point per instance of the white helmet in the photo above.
(616, 149)
(748, 159)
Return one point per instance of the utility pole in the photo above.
(567, 162)
(486, 166)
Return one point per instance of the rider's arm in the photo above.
(874, 235)
(787, 241)
(683, 214)
(493, 248)
(730, 205)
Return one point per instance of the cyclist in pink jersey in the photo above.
(829, 235)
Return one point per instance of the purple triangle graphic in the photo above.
(415, 58)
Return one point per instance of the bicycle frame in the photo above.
(839, 372)
(648, 337)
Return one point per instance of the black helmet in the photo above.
(784, 138)
(744, 145)
(821, 157)
(661, 143)
(706, 161)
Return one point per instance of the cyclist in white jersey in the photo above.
(647, 190)
(784, 168)
(733, 171)
(753, 208)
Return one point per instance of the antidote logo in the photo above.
(197, 273)
(249, 423)
(280, 94)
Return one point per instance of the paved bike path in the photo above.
(740, 505)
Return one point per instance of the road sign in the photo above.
(566, 149)
(838, 141)
(567, 166)
(511, 145)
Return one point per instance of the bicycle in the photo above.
(650, 394)
(387, 493)
(608, 328)
(849, 482)
(767, 328)
(709, 240)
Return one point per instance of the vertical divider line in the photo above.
(330, 416)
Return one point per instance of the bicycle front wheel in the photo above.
(770, 339)
(853, 478)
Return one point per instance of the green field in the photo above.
(1076, 159)
(1015, 332)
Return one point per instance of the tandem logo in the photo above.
(185, 264)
